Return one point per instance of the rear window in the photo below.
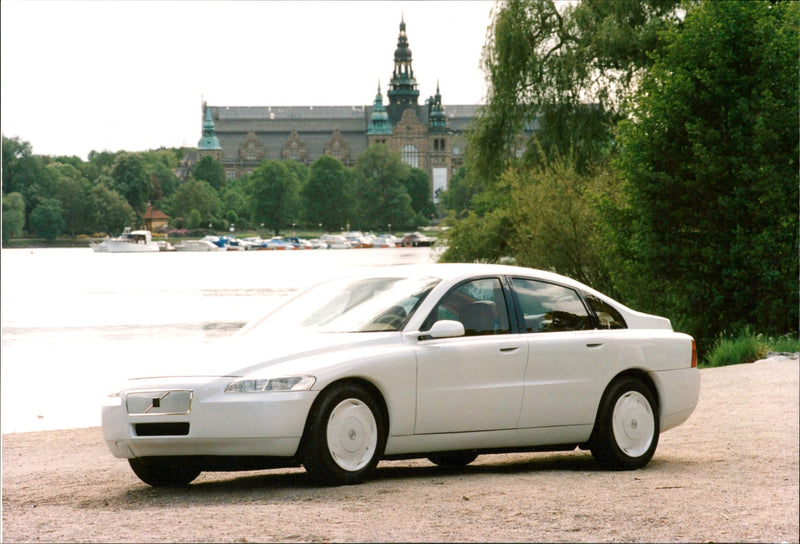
(551, 308)
(607, 315)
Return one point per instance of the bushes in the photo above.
(747, 347)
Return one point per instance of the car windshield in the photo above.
(349, 305)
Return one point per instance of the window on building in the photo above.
(230, 174)
(410, 155)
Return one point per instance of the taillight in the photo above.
(694, 354)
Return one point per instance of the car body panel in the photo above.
(511, 390)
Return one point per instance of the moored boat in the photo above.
(198, 245)
(136, 241)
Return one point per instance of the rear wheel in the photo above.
(165, 471)
(345, 436)
(453, 459)
(626, 431)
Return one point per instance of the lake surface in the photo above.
(76, 323)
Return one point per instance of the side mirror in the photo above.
(446, 328)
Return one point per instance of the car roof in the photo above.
(456, 271)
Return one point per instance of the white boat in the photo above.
(198, 245)
(137, 241)
(335, 241)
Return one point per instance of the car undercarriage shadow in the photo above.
(292, 484)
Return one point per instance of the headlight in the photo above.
(294, 383)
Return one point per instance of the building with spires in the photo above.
(428, 136)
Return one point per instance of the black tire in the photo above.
(453, 459)
(345, 436)
(626, 431)
(165, 471)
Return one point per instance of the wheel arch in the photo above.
(636, 373)
(366, 384)
(643, 377)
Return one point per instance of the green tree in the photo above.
(72, 191)
(235, 201)
(196, 195)
(555, 225)
(709, 231)
(46, 220)
(13, 216)
(328, 195)
(382, 199)
(558, 77)
(460, 190)
(110, 212)
(26, 173)
(210, 170)
(132, 181)
(273, 195)
(418, 185)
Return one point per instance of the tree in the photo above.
(72, 191)
(710, 226)
(328, 195)
(13, 216)
(196, 195)
(131, 181)
(558, 77)
(26, 173)
(235, 201)
(273, 195)
(210, 170)
(418, 185)
(46, 220)
(110, 212)
(382, 199)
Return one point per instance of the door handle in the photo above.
(597, 345)
(509, 349)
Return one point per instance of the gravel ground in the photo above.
(729, 474)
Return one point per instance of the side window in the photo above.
(607, 315)
(479, 305)
(551, 308)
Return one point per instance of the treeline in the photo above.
(646, 147)
(46, 197)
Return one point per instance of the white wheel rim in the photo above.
(633, 424)
(352, 434)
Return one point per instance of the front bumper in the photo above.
(213, 423)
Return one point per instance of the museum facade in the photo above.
(429, 136)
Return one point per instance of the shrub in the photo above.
(744, 347)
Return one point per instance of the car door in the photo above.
(567, 356)
(474, 382)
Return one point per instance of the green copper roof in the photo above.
(379, 120)
(209, 139)
(437, 120)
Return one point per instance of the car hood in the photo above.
(240, 355)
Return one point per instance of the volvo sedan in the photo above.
(442, 361)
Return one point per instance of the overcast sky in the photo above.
(131, 75)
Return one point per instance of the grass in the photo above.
(747, 347)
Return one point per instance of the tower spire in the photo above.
(209, 139)
(379, 120)
(403, 92)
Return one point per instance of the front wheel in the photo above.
(626, 431)
(164, 471)
(345, 436)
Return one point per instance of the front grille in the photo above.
(159, 403)
(161, 429)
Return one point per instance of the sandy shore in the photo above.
(729, 474)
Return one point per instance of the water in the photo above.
(76, 323)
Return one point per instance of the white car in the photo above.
(443, 361)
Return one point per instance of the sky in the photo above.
(78, 76)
